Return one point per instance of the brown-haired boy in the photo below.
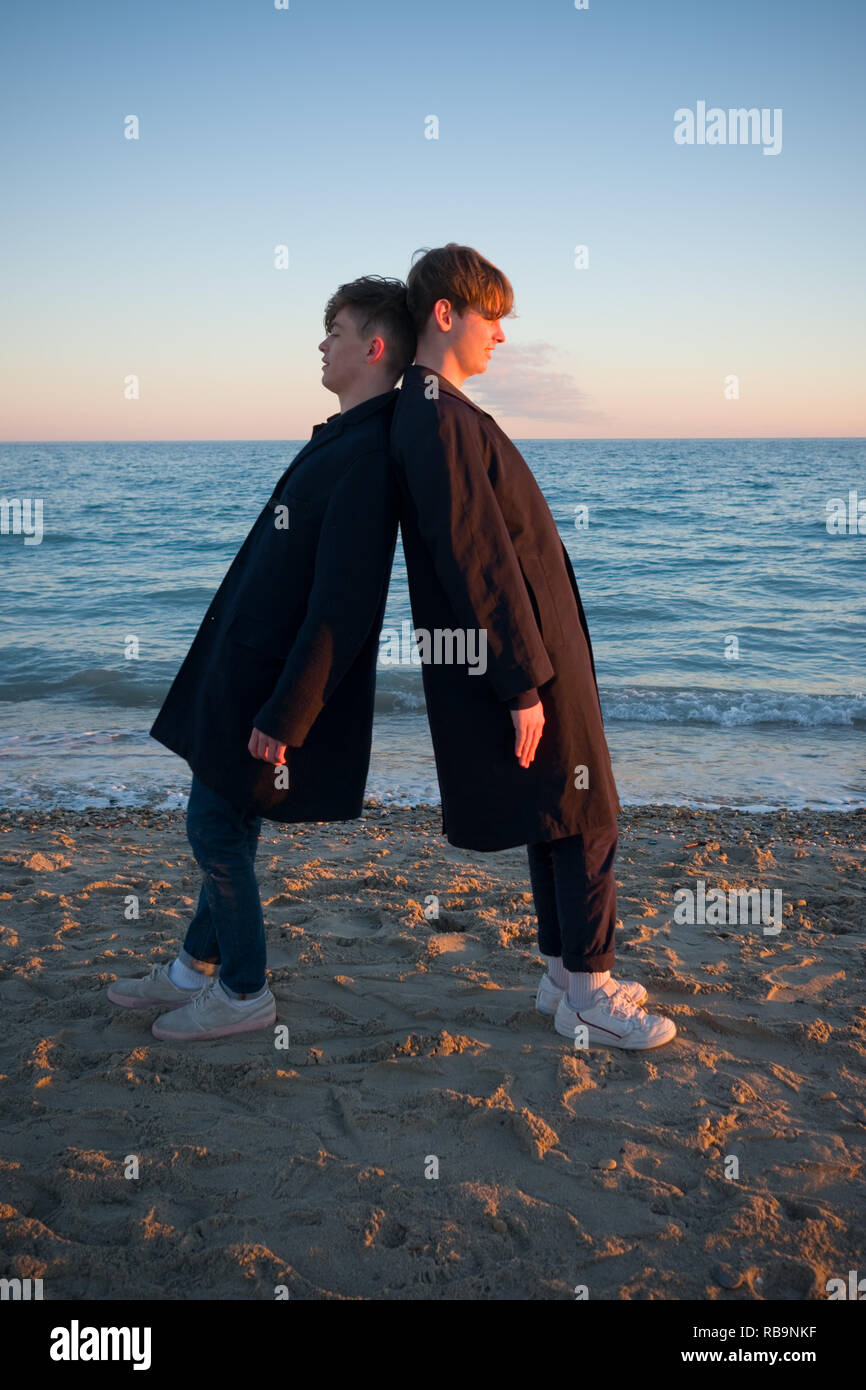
(283, 669)
(521, 753)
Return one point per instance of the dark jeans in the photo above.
(575, 898)
(227, 933)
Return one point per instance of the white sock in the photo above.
(582, 985)
(556, 970)
(185, 978)
(244, 1003)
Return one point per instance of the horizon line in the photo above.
(560, 438)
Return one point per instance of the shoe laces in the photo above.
(204, 993)
(623, 1006)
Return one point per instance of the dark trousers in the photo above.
(227, 933)
(575, 898)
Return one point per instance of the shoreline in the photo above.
(427, 815)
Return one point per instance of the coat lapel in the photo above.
(322, 434)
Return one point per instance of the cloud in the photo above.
(519, 385)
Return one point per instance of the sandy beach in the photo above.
(413, 1045)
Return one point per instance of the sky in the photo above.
(723, 290)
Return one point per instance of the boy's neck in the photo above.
(360, 392)
(442, 360)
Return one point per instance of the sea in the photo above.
(724, 583)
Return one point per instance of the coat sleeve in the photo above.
(350, 584)
(444, 473)
(524, 701)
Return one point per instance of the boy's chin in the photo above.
(477, 369)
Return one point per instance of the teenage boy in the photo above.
(521, 756)
(273, 705)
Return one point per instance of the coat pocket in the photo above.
(544, 604)
(251, 630)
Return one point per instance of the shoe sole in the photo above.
(227, 1030)
(127, 1001)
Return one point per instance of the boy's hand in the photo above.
(266, 747)
(528, 724)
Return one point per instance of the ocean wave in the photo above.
(96, 684)
(110, 794)
(734, 709)
(397, 692)
(400, 691)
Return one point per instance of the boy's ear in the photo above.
(442, 314)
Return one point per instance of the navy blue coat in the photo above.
(483, 551)
(290, 642)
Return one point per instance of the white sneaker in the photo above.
(549, 994)
(153, 991)
(211, 1014)
(614, 1020)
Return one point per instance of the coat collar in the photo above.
(333, 427)
(357, 412)
(417, 373)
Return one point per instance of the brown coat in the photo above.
(483, 551)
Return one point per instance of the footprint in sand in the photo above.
(344, 930)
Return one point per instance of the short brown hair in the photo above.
(377, 302)
(462, 276)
